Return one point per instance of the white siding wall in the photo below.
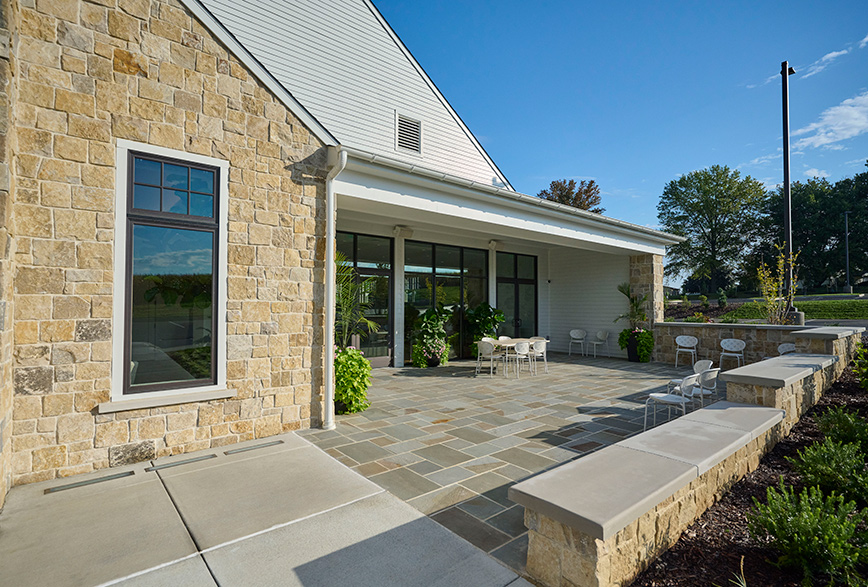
(344, 67)
(583, 294)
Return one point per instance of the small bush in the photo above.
(860, 366)
(352, 379)
(685, 300)
(697, 317)
(721, 298)
(846, 427)
(703, 301)
(833, 466)
(818, 535)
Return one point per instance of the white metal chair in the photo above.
(539, 350)
(785, 348)
(479, 352)
(602, 337)
(732, 347)
(504, 338)
(486, 351)
(686, 344)
(520, 354)
(577, 336)
(707, 385)
(676, 398)
(698, 367)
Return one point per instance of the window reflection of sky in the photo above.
(171, 251)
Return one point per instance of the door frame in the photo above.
(516, 281)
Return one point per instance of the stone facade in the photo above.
(646, 278)
(6, 334)
(559, 555)
(87, 73)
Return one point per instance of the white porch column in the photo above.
(398, 297)
(493, 247)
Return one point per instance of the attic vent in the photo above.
(409, 134)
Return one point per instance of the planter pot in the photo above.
(433, 361)
(633, 349)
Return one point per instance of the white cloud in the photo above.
(765, 159)
(823, 62)
(846, 120)
(814, 172)
(863, 42)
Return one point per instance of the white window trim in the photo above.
(121, 173)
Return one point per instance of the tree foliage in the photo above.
(717, 211)
(818, 208)
(584, 195)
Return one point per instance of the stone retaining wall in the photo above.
(762, 340)
(561, 555)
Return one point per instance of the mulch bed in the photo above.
(710, 551)
(681, 311)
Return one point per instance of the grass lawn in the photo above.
(814, 310)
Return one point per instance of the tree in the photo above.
(818, 229)
(717, 211)
(584, 195)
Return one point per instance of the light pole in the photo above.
(786, 72)
(848, 288)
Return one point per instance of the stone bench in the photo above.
(600, 520)
(792, 383)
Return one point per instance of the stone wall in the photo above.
(762, 340)
(146, 71)
(646, 278)
(561, 555)
(6, 307)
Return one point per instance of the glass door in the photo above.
(517, 294)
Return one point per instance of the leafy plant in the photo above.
(644, 340)
(698, 317)
(636, 313)
(833, 466)
(482, 321)
(817, 534)
(721, 298)
(844, 426)
(352, 379)
(778, 298)
(728, 319)
(351, 303)
(860, 367)
(429, 337)
(685, 300)
(703, 301)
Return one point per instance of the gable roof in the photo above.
(342, 65)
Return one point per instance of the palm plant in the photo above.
(350, 303)
(636, 313)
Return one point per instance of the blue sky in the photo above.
(634, 94)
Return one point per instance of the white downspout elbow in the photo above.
(338, 161)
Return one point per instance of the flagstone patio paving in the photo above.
(450, 442)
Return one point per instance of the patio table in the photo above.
(506, 345)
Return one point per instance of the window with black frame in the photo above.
(171, 274)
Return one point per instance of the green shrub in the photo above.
(721, 298)
(703, 301)
(818, 535)
(644, 339)
(352, 379)
(697, 317)
(429, 337)
(833, 466)
(844, 426)
(685, 300)
(860, 367)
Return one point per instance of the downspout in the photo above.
(338, 161)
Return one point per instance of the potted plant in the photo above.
(638, 341)
(430, 343)
(352, 369)
(482, 321)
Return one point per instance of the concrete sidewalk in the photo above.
(276, 511)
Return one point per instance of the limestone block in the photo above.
(50, 457)
(74, 427)
(127, 454)
(33, 380)
(111, 434)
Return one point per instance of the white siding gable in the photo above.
(340, 60)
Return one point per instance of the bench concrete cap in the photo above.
(700, 444)
(745, 417)
(603, 492)
(779, 371)
(829, 332)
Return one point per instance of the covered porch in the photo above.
(450, 442)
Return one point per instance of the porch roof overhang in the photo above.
(374, 188)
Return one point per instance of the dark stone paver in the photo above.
(452, 442)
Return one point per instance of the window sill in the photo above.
(134, 403)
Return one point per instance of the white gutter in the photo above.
(548, 206)
(338, 161)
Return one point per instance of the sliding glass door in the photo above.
(517, 294)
